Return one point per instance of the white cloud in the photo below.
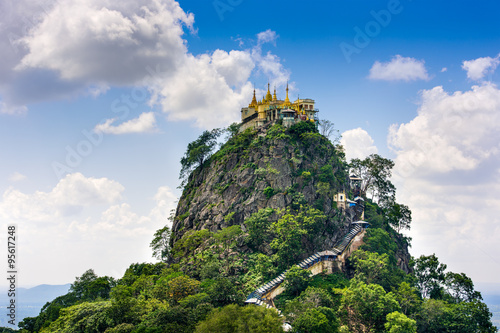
(267, 36)
(235, 67)
(357, 143)
(67, 198)
(81, 39)
(146, 122)
(17, 177)
(81, 223)
(87, 47)
(444, 69)
(446, 170)
(455, 131)
(399, 68)
(478, 68)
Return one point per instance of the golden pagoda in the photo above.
(271, 109)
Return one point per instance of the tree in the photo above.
(235, 319)
(327, 129)
(232, 130)
(291, 229)
(430, 275)
(471, 316)
(296, 280)
(370, 267)
(180, 287)
(398, 216)
(375, 172)
(160, 243)
(198, 151)
(222, 291)
(258, 227)
(407, 298)
(461, 288)
(379, 241)
(399, 323)
(89, 317)
(302, 127)
(90, 287)
(316, 320)
(365, 306)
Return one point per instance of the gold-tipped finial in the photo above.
(274, 96)
(268, 95)
(287, 100)
(254, 100)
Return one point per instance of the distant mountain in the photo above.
(30, 300)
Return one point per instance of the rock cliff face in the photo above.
(264, 169)
(269, 168)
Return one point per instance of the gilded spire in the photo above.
(287, 100)
(268, 95)
(254, 100)
(274, 96)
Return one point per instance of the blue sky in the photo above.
(98, 100)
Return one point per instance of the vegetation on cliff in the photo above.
(257, 206)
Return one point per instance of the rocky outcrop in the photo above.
(263, 169)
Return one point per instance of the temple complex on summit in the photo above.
(271, 109)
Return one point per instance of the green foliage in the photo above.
(181, 287)
(313, 311)
(258, 227)
(398, 216)
(296, 130)
(235, 319)
(375, 172)
(277, 131)
(85, 317)
(222, 291)
(306, 175)
(296, 280)
(407, 297)
(90, 287)
(269, 192)
(232, 131)
(227, 236)
(379, 241)
(322, 188)
(189, 242)
(160, 243)
(370, 267)
(289, 231)
(198, 151)
(430, 274)
(229, 217)
(365, 306)
(399, 323)
(316, 320)
(461, 288)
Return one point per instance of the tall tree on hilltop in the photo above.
(375, 172)
(198, 151)
(327, 129)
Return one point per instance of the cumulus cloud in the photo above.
(399, 69)
(86, 47)
(81, 39)
(73, 193)
(146, 122)
(357, 143)
(81, 223)
(446, 170)
(478, 68)
(456, 131)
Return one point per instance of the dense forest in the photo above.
(253, 207)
